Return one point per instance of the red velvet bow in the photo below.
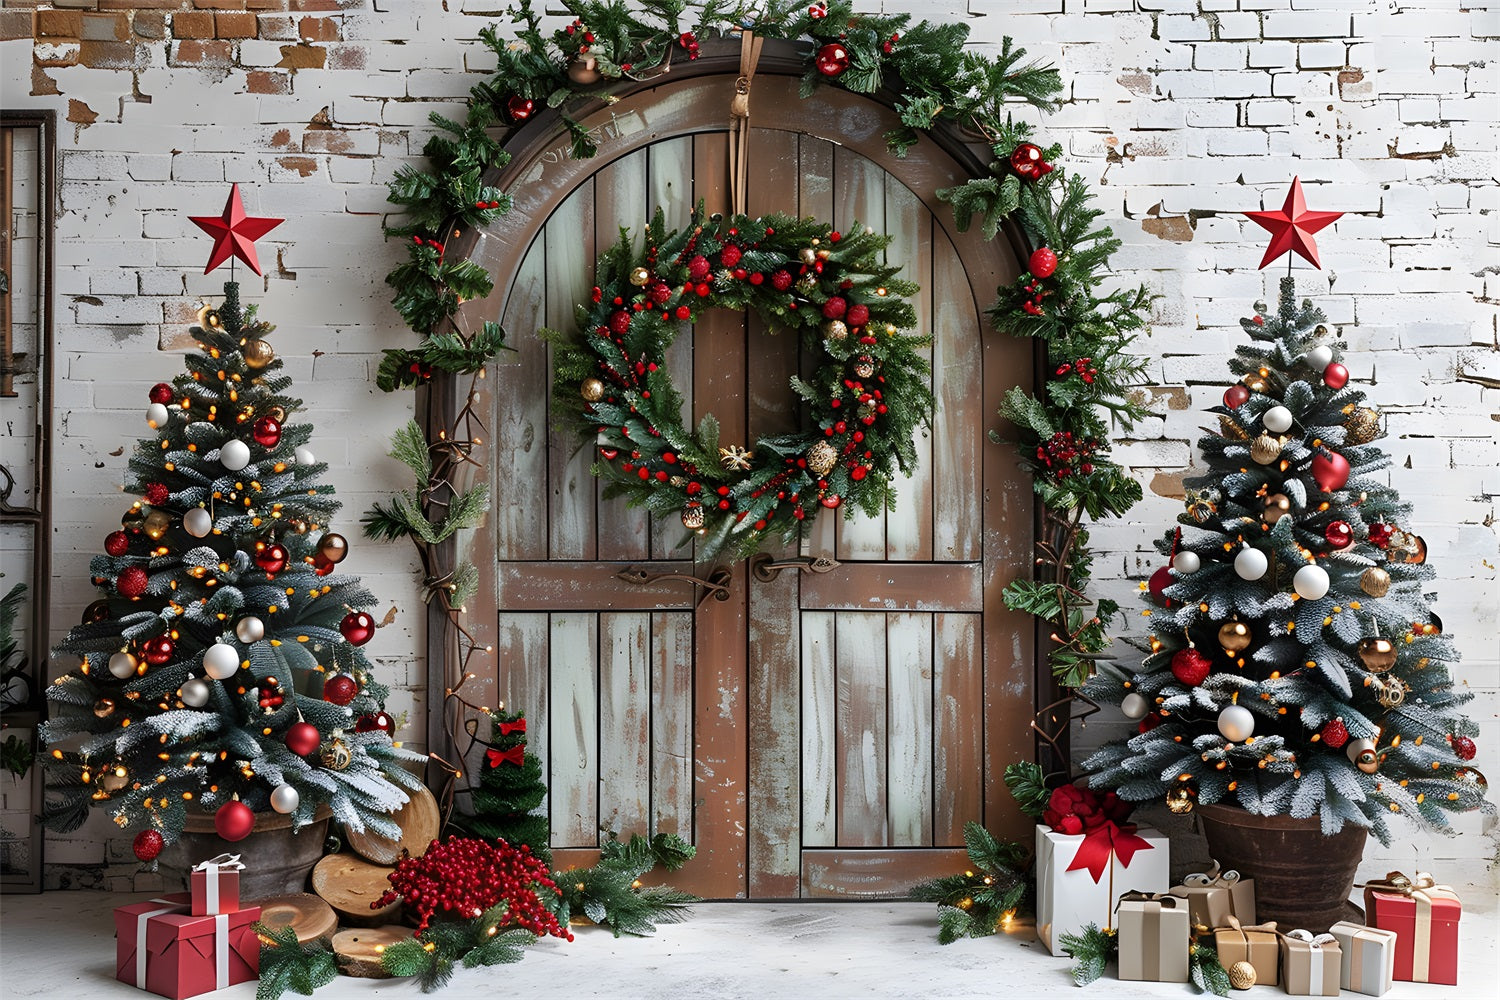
(1101, 819)
(506, 728)
(515, 755)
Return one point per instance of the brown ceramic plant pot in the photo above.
(1302, 877)
(277, 859)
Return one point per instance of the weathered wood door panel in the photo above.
(812, 734)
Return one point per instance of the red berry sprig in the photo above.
(1084, 367)
(465, 877)
(1064, 454)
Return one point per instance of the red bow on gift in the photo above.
(515, 755)
(1101, 819)
(506, 728)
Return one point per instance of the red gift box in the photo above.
(163, 948)
(1424, 916)
(215, 885)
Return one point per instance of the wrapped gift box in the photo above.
(1154, 934)
(1368, 962)
(1067, 901)
(1424, 916)
(1213, 897)
(1311, 964)
(163, 948)
(215, 885)
(1257, 945)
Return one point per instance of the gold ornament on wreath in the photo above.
(1182, 797)
(1375, 581)
(1278, 505)
(1265, 449)
(1390, 692)
(257, 353)
(864, 400)
(1201, 504)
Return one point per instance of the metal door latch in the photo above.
(715, 585)
(767, 568)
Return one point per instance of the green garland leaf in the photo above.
(286, 964)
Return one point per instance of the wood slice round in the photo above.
(419, 822)
(350, 885)
(303, 912)
(358, 949)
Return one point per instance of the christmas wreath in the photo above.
(864, 402)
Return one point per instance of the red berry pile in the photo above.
(1064, 454)
(465, 876)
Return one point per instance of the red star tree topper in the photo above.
(1292, 228)
(234, 232)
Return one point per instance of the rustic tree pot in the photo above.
(277, 859)
(1302, 877)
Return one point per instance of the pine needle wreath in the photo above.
(865, 402)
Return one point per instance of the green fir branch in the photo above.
(287, 964)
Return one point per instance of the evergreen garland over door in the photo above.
(815, 734)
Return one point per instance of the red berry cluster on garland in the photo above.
(1084, 367)
(465, 877)
(1063, 454)
(689, 43)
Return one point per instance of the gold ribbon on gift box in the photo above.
(1266, 969)
(1151, 929)
(1420, 890)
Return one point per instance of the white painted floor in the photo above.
(60, 945)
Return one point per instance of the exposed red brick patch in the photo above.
(59, 24)
(318, 29)
(265, 4)
(1136, 83)
(327, 141)
(283, 137)
(302, 57)
(15, 24)
(150, 24)
(220, 4)
(236, 25)
(304, 165)
(262, 82)
(110, 55)
(205, 53)
(320, 120)
(179, 311)
(1174, 228)
(58, 52)
(193, 24)
(43, 85)
(1353, 86)
(80, 113)
(347, 56)
(313, 5)
(1169, 485)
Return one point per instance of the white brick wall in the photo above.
(1387, 110)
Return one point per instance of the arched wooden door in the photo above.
(813, 734)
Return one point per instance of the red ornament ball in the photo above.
(832, 59)
(160, 393)
(157, 650)
(519, 108)
(835, 308)
(1335, 734)
(1159, 582)
(1380, 534)
(1236, 396)
(1026, 160)
(660, 292)
(358, 627)
(148, 844)
(858, 315)
(1339, 534)
(375, 722)
(302, 738)
(270, 557)
(1043, 262)
(1464, 748)
(1335, 376)
(730, 255)
(234, 820)
(698, 267)
(1190, 666)
(131, 582)
(619, 322)
(1330, 471)
(117, 543)
(267, 432)
(340, 689)
(157, 494)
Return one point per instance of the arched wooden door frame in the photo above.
(541, 174)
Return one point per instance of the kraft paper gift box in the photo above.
(1368, 957)
(215, 885)
(1213, 897)
(163, 948)
(1070, 896)
(1256, 945)
(1154, 934)
(1311, 964)
(1425, 917)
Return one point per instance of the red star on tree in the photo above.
(234, 232)
(1292, 228)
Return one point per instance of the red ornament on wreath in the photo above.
(1026, 160)
(303, 738)
(234, 820)
(1149, 723)
(1043, 262)
(832, 59)
(1330, 471)
(161, 392)
(375, 722)
(157, 650)
(267, 432)
(357, 627)
(1157, 585)
(157, 494)
(1190, 666)
(117, 543)
(340, 689)
(148, 844)
(519, 108)
(131, 582)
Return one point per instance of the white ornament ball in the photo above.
(1310, 582)
(1134, 707)
(156, 415)
(1186, 562)
(304, 455)
(235, 455)
(1277, 420)
(198, 522)
(123, 665)
(221, 661)
(250, 629)
(1236, 723)
(195, 693)
(1250, 564)
(284, 798)
(1319, 357)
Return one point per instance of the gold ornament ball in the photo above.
(692, 517)
(277, 413)
(864, 367)
(807, 255)
(1180, 799)
(1265, 449)
(336, 755)
(592, 390)
(1391, 694)
(333, 547)
(639, 276)
(103, 707)
(1375, 581)
(156, 524)
(1234, 636)
(1241, 975)
(1378, 655)
(821, 458)
(835, 329)
(1278, 505)
(257, 353)
(1362, 427)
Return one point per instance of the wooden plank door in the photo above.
(815, 734)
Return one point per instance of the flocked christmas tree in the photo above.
(509, 789)
(1297, 667)
(222, 670)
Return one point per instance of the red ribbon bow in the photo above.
(506, 728)
(1100, 818)
(515, 755)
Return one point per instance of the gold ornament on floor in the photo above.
(692, 518)
(735, 457)
(639, 276)
(1241, 975)
(592, 390)
(1362, 427)
(1390, 693)
(1361, 754)
(1181, 798)
(336, 755)
(1234, 636)
(257, 353)
(1377, 654)
(1265, 449)
(1375, 581)
(1278, 505)
(821, 458)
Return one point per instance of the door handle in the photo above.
(767, 568)
(715, 585)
